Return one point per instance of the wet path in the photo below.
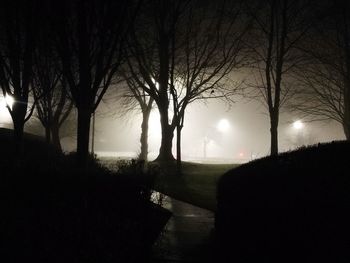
(187, 237)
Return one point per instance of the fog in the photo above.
(246, 137)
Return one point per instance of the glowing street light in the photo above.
(223, 125)
(298, 125)
(299, 133)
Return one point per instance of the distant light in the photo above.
(298, 125)
(241, 154)
(223, 125)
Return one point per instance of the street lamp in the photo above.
(223, 125)
(298, 125)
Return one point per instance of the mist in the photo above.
(247, 136)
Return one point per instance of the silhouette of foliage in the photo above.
(52, 211)
(288, 207)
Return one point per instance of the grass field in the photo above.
(197, 184)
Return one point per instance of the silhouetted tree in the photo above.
(184, 51)
(279, 27)
(135, 98)
(325, 80)
(53, 104)
(18, 27)
(53, 108)
(90, 40)
(211, 48)
(150, 45)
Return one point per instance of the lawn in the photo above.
(197, 184)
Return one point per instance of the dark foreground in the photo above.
(188, 235)
(53, 212)
(291, 208)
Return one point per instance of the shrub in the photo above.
(54, 212)
(292, 207)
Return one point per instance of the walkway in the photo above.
(187, 237)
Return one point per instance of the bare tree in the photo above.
(211, 48)
(184, 53)
(324, 91)
(150, 47)
(53, 108)
(18, 25)
(53, 104)
(90, 40)
(135, 98)
(280, 25)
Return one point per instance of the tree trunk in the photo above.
(55, 130)
(166, 144)
(47, 134)
(84, 116)
(346, 117)
(346, 128)
(178, 149)
(144, 135)
(344, 30)
(165, 151)
(18, 126)
(274, 133)
(93, 134)
(18, 116)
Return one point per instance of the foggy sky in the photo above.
(247, 137)
(248, 133)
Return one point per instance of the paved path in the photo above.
(187, 237)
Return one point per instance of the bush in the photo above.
(54, 212)
(288, 208)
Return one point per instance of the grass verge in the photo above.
(197, 184)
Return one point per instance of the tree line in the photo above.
(60, 55)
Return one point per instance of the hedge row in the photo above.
(294, 207)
